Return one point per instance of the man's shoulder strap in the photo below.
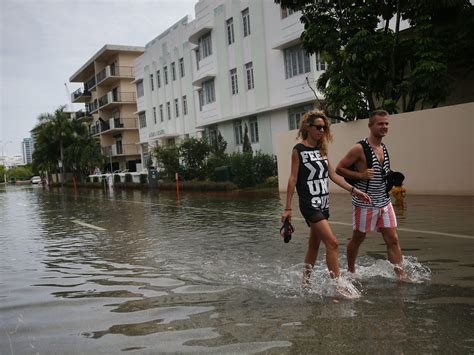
(386, 152)
(367, 152)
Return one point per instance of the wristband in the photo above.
(287, 209)
(352, 190)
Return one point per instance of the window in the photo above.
(238, 136)
(249, 74)
(198, 58)
(230, 31)
(253, 130)
(185, 105)
(320, 65)
(233, 81)
(158, 79)
(151, 82)
(286, 12)
(154, 114)
(142, 119)
(161, 112)
(208, 92)
(176, 107)
(165, 69)
(212, 135)
(294, 115)
(296, 61)
(140, 92)
(168, 110)
(181, 67)
(246, 22)
(201, 99)
(173, 71)
(118, 146)
(205, 46)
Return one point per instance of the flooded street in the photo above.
(94, 271)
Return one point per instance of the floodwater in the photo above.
(97, 271)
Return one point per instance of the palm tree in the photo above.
(52, 132)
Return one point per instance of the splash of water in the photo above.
(369, 268)
(288, 281)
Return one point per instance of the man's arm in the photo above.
(354, 156)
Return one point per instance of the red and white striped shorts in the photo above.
(373, 218)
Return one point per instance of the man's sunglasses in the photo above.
(319, 127)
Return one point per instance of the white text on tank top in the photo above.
(317, 181)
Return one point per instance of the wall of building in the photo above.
(433, 148)
(268, 101)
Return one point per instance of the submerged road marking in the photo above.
(452, 235)
(76, 221)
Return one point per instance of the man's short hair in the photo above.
(376, 113)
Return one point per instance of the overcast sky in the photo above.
(44, 42)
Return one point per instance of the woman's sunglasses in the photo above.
(319, 127)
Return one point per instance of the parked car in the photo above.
(36, 180)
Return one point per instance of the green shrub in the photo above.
(143, 179)
(116, 179)
(128, 178)
(167, 158)
(95, 179)
(264, 167)
(194, 153)
(241, 167)
(88, 179)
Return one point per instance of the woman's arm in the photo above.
(339, 180)
(292, 179)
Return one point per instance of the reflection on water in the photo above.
(90, 272)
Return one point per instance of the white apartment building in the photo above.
(244, 67)
(28, 147)
(163, 78)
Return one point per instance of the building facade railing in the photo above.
(119, 149)
(116, 97)
(114, 71)
(79, 93)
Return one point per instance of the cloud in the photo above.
(43, 42)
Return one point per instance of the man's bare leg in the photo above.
(353, 249)
(394, 251)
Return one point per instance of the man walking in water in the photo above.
(378, 214)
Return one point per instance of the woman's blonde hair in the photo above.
(305, 124)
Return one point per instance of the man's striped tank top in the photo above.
(377, 185)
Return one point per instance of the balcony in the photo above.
(120, 150)
(112, 73)
(120, 124)
(199, 32)
(116, 98)
(82, 116)
(99, 127)
(90, 85)
(80, 95)
(92, 107)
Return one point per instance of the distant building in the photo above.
(12, 161)
(28, 147)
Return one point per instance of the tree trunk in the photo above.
(61, 152)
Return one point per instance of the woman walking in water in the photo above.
(310, 174)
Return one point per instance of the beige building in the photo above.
(111, 103)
